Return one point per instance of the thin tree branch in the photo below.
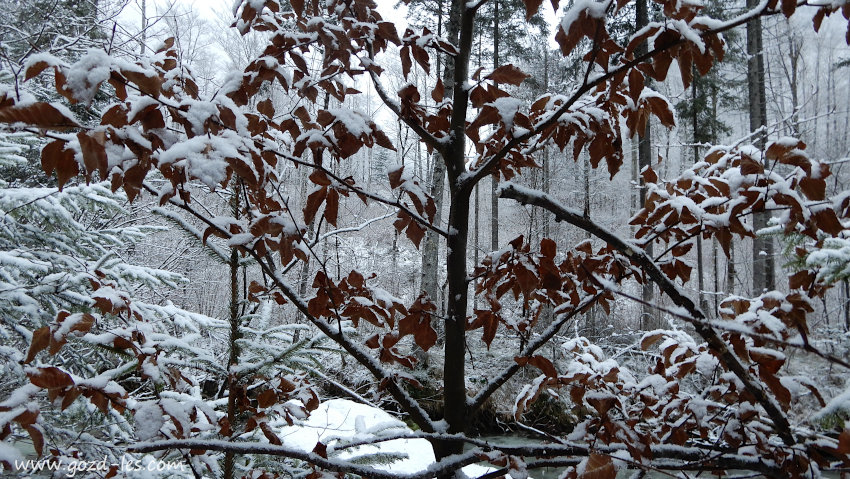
(410, 405)
(423, 134)
(358, 191)
(474, 176)
(447, 465)
(497, 382)
(639, 256)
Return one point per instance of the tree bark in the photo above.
(430, 245)
(649, 318)
(695, 127)
(763, 269)
(233, 340)
(846, 296)
(546, 173)
(430, 283)
(494, 180)
(459, 29)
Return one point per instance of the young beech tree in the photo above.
(716, 399)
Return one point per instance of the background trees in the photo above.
(270, 172)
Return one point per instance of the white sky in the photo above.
(208, 9)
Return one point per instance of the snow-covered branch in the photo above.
(703, 328)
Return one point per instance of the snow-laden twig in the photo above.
(445, 466)
(472, 177)
(359, 191)
(676, 294)
(363, 357)
(420, 130)
(494, 384)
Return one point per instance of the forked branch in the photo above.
(410, 405)
(474, 176)
(528, 196)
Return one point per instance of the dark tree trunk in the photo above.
(233, 340)
(459, 30)
(763, 268)
(649, 318)
(695, 127)
(494, 180)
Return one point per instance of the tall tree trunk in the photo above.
(460, 32)
(714, 240)
(846, 296)
(476, 237)
(430, 245)
(494, 180)
(648, 313)
(546, 172)
(144, 33)
(695, 127)
(794, 57)
(731, 273)
(430, 283)
(763, 270)
(590, 315)
(233, 341)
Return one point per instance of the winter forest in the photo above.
(264, 239)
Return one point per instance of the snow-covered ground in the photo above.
(344, 421)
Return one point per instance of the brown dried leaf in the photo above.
(94, 152)
(332, 206)
(40, 114)
(438, 92)
(649, 340)
(40, 341)
(532, 7)
(813, 188)
(50, 378)
(599, 467)
(37, 438)
(35, 69)
(750, 166)
(544, 365)
(508, 74)
(267, 398)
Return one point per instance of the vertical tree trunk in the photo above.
(695, 127)
(430, 283)
(233, 340)
(459, 30)
(476, 236)
(648, 313)
(144, 34)
(430, 245)
(635, 196)
(763, 270)
(714, 240)
(590, 315)
(494, 180)
(846, 291)
(794, 57)
(546, 172)
(731, 273)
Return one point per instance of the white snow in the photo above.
(593, 8)
(340, 421)
(149, 420)
(86, 75)
(9, 453)
(507, 108)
